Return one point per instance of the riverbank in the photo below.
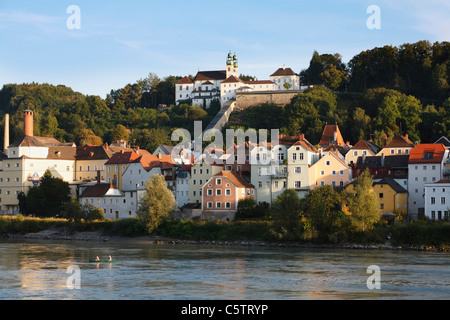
(55, 235)
(407, 236)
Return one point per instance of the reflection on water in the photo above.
(37, 270)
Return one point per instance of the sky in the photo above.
(120, 42)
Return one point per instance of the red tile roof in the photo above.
(96, 190)
(283, 72)
(123, 157)
(211, 75)
(400, 141)
(234, 178)
(328, 135)
(232, 79)
(427, 153)
(185, 80)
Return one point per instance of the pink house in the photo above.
(222, 192)
(330, 170)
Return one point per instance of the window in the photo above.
(381, 205)
(218, 181)
(442, 200)
(259, 184)
(427, 156)
(218, 205)
(228, 192)
(218, 192)
(327, 163)
(294, 156)
(298, 184)
(228, 205)
(433, 200)
(209, 205)
(209, 192)
(276, 184)
(381, 195)
(341, 172)
(322, 173)
(301, 156)
(298, 169)
(333, 173)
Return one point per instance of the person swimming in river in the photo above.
(97, 259)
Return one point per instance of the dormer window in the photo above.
(428, 156)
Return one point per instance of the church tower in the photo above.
(232, 65)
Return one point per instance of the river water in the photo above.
(60, 270)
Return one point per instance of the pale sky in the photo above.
(120, 42)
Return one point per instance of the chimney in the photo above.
(382, 160)
(406, 136)
(98, 176)
(335, 136)
(284, 66)
(28, 123)
(6, 136)
(384, 140)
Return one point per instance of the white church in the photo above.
(223, 85)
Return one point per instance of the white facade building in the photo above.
(277, 168)
(437, 200)
(425, 165)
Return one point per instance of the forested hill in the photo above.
(381, 91)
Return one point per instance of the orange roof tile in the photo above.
(328, 135)
(234, 178)
(400, 141)
(427, 153)
(185, 80)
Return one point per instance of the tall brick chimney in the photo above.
(28, 123)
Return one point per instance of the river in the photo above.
(60, 270)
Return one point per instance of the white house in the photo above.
(286, 165)
(437, 200)
(285, 79)
(425, 165)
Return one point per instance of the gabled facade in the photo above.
(222, 193)
(362, 148)
(330, 170)
(277, 168)
(399, 145)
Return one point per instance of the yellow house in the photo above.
(392, 197)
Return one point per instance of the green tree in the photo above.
(322, 206)
(120, 132)
(363, 203)
(156, 203)
(286, 211)
(46, 199)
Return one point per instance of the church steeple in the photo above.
(232, 65)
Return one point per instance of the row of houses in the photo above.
(410, 178)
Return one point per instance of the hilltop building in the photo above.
(223, 85)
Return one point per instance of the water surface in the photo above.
(38, 270)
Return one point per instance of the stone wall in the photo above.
(248, 99)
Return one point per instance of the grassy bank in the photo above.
(435, 235)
